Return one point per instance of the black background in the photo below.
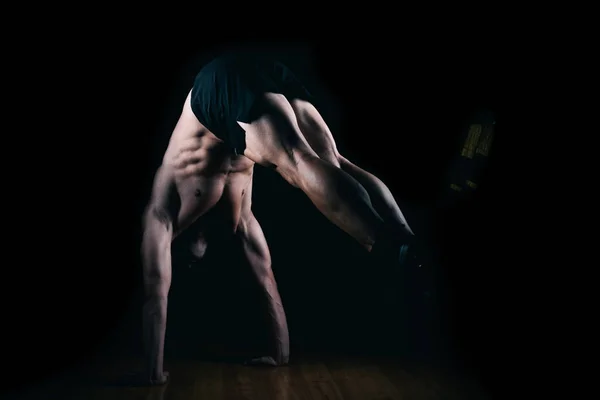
(397, 111)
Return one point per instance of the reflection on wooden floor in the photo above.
(314, 379)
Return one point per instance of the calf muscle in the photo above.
(340, 198)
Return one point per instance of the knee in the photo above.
(330, 155)
(290, 168)
(336, 158)
(343, 161)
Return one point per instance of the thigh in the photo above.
(315, 130)
(273, 138)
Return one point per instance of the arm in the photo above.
(156, 264)
(257, 254)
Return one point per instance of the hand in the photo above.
(161, 380)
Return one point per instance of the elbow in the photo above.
(155, 243)
(156, 258)
(157, 226)
(156, 269)
(155, 307)
(157, 218)
(156, 289)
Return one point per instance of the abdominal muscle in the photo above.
(205, 172)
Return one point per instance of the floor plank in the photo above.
(362, 381)
(314, 378)
(320, 382)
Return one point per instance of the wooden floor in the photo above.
(311, 379)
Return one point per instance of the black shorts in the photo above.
(228, 89)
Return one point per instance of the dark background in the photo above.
(398, 112)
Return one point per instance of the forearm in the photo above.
(154, 326)
(156, 255)
(257, 253)
(279, 328)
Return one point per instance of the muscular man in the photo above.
(241, 111)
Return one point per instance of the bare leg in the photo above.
(275, 140)
(320, 139)
(381, 196)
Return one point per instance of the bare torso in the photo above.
(206, 174)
